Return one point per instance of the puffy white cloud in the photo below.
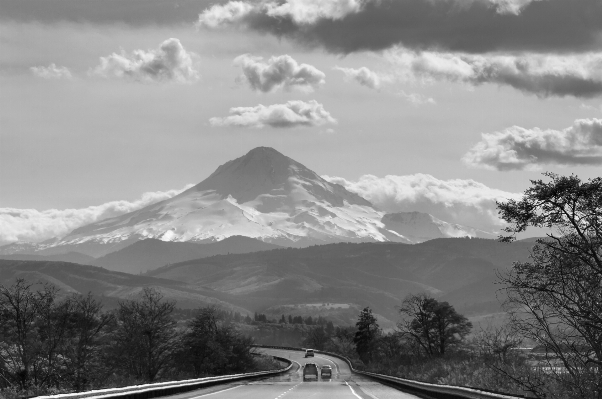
(363, 76)
(51, 72)
(416, 99)
(278, 72)
(542, 75)
(291, 114)
(518, 148)
(311, 11)
(460, 201)
(33, 225)
(509, 6)
(169, 62)
(224, 14)
(301, 12)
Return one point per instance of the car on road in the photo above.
(326, 372)
(310, 372)
(309, 353)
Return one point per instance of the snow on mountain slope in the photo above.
(263, 195)
(420, 227)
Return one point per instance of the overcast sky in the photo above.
(433, 105)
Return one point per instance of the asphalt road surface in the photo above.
(342, 385)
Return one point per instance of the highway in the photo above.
(343, 385)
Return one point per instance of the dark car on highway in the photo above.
(310, 372)
(326, 372)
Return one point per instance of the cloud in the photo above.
(459, 201)
(517, 148)
(542, 75)
(591, 107)
(416, 99)
(51, 72)
(301, 12)
(278, 72)
(471, 26)
(363, 76)
(291, 114)
(169, 62)
(33, 225)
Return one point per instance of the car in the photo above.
(326, 372)
(309, 353)
(310, 372)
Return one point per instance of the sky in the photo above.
(442, 106)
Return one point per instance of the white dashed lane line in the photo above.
(287, 391)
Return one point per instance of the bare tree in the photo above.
(146, 334)
(19, 343)
(555, 299)
(88, 328)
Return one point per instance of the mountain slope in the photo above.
(150, 254)
(73, 257)
(110, 286)
(334, 279)
(378, 275)
(263, 195)
(420, 227)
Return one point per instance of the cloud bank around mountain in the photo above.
(517, 148)
(460, 201)
(170, 62)
(51, 72)
(278, 72)
(471, 26)
(33, 226)
(363, 76)
(542, 75)
(291, 114)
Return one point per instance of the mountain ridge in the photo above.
(263, 195)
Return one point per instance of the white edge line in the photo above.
(352, 391)
(213, 393)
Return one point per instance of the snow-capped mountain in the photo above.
(264, 195)
(420, 227)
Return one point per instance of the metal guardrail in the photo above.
(148, 391)
(418, 388)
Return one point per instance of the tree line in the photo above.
(50, 343)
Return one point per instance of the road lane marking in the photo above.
(352, 391)
(287, 391)
(213, 393)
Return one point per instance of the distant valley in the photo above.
(461, 271)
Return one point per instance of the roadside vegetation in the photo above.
(55, 344)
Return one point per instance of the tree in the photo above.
(435, 326)
(53, 327)
(555, 299)
(366, 334)
(146, 334)
(213, 347)
(19, 343)
(316, 338)
(88, 329)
